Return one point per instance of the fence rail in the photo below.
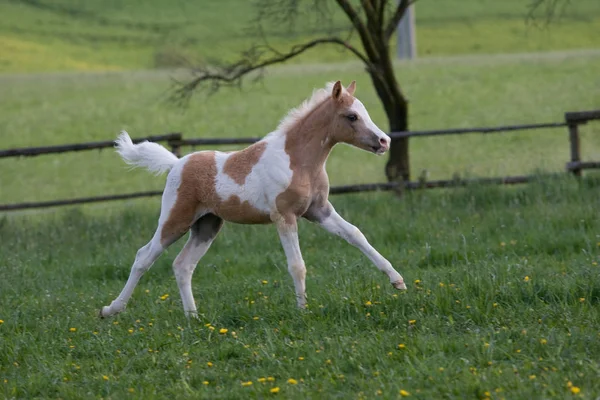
(175, 141)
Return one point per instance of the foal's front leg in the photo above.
(328, 218)
(287, 228)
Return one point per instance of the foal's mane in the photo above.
(300, 112)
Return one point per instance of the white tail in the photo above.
(151, 156)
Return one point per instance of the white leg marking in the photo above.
(144, 259)
(288, 234)
(202, 234)
(337, 225)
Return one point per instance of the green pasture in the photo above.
(47, 109)
(504, 282)
(503, 300)
(65, 35)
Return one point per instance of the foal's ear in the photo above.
(336, 93)
(351, 88)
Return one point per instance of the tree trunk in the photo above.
(396, 110)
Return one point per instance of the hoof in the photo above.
(399, 285)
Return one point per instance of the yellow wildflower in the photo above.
(130, 330)
(526, 279)
(417, 281)
(1, 321)
(249, 383)
(262, 380)
(368, 303)
(301, 358)
(209, 364)
(131, 390)
(223, 331)
(275, 390)
(404, 393)
(205, 382)
(581, 299)
(264, 282)
(255, 318)
(270, 379)
(412, 321)
(575, 390)
(105, 377)
(543, 341)
(532, 377)
(292, 381)
(402, 346)
(72, 329)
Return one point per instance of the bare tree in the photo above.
(374, 21)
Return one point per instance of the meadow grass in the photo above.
(101, 35)
(43, 109)
(504, 289)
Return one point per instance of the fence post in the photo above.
(573, 125)
(175, 144)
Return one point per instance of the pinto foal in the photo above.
(276, 180)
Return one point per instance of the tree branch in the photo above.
(392, 24)
(252, 60)
(365, 38)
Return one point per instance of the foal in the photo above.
(276, 180)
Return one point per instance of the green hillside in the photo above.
(70, 35)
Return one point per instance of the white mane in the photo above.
(296, 114)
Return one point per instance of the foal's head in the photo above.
(352, 124)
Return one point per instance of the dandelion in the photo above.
(205, 382)
(270, 379)
(328, 362)
(487, 394)
(532, 377)
(441, 369)
(72, 329)
(401, 346)
(495, 305)
(262, 380)
(164, 296)
(417, 281)
(581, 299)
(404, 393)
(412, 321)
(526, 279)
(264, 282)
(301, 358)
(147, 290)
(130, 330)
(1, 321)
(255, 318)
(223, 331)
(486, 345)
(442, 284)
(502, 244)
(368, 303)
(212, 328)
(575, 390)
(131, 390)
(245, 384)
(378, 392)
(209, 364)
(543, 341)
(95, 332)
(274, 390)
(105, 377)
(292, 381)
(518, 351)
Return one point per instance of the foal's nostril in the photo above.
(383, 142)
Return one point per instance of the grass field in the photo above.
(64, 35)
(503, 302)
(504, 282)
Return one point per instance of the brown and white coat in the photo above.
(276, 180)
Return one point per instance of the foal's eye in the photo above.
(352, 117)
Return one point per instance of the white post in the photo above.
(406, 35)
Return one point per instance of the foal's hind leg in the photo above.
(144, 259)
(202, 234)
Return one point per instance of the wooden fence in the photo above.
(175, 141)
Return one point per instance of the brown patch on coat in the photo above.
(239, 164)
(196, 190)
(197, 193)
(242, 212)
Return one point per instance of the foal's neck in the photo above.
(308, 142)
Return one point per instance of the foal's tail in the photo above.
(151, 156)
